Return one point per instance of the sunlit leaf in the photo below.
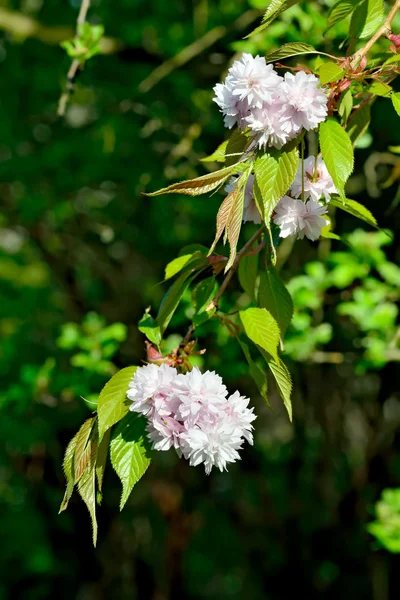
(112, 405)
(329, 72)
(172, 298)
(261, 328)
(101, 461)
(396, 102)
(337, 152)
(345, 106)
(130, 452)
(87, 491)
(68, 468)
(274, 9)
(150, 328)
(256, 372)
(341, 10)
(84, 447)
(275, 172)
(366, 19)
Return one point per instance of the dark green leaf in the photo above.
(203, 293)
(172, 298)
(356, 209)
(248, 275)
(274, 296)
(256, 372)
(366, 19)
(359, 122)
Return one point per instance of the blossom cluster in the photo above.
(292, 215)
(192, 413)
(275, 108)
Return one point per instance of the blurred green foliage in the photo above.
(77, 239)
(387, 526)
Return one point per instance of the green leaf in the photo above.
(329, 72)
(380, 89)
(219, 155)
(234, 223)
(366, 19)
(337, 152)
(359, 122)
(283, 380)
(274, 296)
(256, 372)
(130, 452)
(112, 405)
(340, 11)
(274, 174)
(68, 468)
(248, 275)
(203, 317)
(230, 150)
(396, 102)
(261, 328)
(292, 49)
(87, 491)
(172, 298)
(274, 9)
(345, 106)
(200, 185)
(356, 209)
(101, 461)
(151, 330)
(176, 265)
(203, 294)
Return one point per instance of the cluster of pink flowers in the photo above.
(292, 215)
(275, 108)
(192, 413)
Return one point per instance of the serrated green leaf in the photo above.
(359, 122)
(337, 152)
(203, 293)
(234, 223)
(283, 380)
(256, 372)
(356, 209)
(112, 405)
(274, 296)
(340, 11)
(261, 328)
(200, 185)
(329, 72)
(366, 19)
(248, 275)
(274, 172)
(230, 150)
(68, 468)
(274, 9)
(87, 491)
(292, 49)
(130, 452)
(151, 330)
(101, 461)
(396, 102)
(345, 106)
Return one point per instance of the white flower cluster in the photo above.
(275, 108)
(295, 217)
(192, 413)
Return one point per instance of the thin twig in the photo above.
(76, 65)
(385, 30)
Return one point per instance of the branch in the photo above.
(385, 30)
(75, 65)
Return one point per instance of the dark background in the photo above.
(77, 237)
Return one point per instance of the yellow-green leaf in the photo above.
(356, 209)
(337, 152)
(261, 328)
(396, 102)
(329, 72)
(274, 296)
(113, 405)
(292, 49)
(130, 452)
